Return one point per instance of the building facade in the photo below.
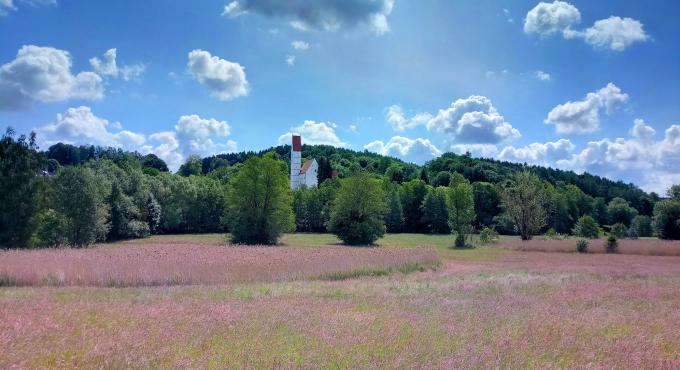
(301, 175)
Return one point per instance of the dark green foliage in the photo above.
(619, 230)
(19, 185)
(359, 210)
(621, 212)
(424, 175)
(674, 192)
(79, 199)
(487, 203)
(611, 245)
(51, 229)
(152, 161)
(641, 227)
(325, 170)
(309, 209)
(667, 219)
(600, 212)
(582, 246)
(443, 178)
(260, 202)
(394, 219)
(413, 195)
(559, 217)
(192, 167)
(586, 227)
(435, 211)
(153, 213)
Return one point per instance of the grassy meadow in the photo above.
(311, 303)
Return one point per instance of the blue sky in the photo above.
(582, 85)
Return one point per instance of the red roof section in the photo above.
(297, 143)
(306, 166)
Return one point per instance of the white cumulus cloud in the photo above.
(549, 18)
(107, 67)
(314, 133)
(327, 15)
(395, 116)
(411, 150)
(539, 153)
(613, 33)
(226, 80)
(7, 6)
(583, 116)
(542, 76)
(473, 120)
(299, 45)
(44, 74)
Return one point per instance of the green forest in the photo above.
(80, 195)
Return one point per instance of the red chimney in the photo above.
(297, 143)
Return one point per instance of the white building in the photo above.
(301, 175)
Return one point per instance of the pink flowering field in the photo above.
(491, 307)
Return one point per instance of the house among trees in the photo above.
(301, 175)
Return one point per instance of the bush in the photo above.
(359, 210)
(586, 227)
(51, 229)
(612, 245)
(551, 234)
(260, 202)
(488, 235)
(619, 230)
(582, 246)
(667, 219)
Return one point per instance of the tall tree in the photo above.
(19, 185)
(413, 194)
(359, 220)
(461, 211)
(523, 200)
(394, 219)
(436, 212)
(260, 202)
(80, 201)
(487, 203)
(325, 171)
(620, 211)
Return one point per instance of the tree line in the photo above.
(70, 195)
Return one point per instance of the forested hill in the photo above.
(346, 161)
(437, 171)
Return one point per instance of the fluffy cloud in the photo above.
(411, 150)
(614, 33)
(313, 133)
(107, 67)
(79, 126)
(299, 45)
(395, 116)
(328, 15)
(192, 135)
(477, 150)
(9, 5)
(473, 120)
(539, 153)
(549, 18)
(584, 116)
(542, 76)
(290, 60)
(642, 159)
(44, 74)
(225, 80)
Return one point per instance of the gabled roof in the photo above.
(306, 166)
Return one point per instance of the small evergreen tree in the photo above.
(358, 216)
(435, 211)
(394, 219)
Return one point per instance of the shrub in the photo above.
(582, 246)
(551, 234)
(612, 245)
(488, 235)
(619, 230)
(359, 210)
(586, 227)
(51, 229)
